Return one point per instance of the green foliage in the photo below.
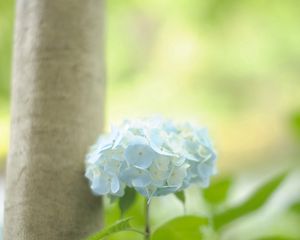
(187, 227)
(119, 226)
(295, 124)
(127, 200)
(254, 202)
(180, 196)
(194, 227)
(112, 214)
(295, 207)
(218, 191)
(276, 238)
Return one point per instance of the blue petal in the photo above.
(93, 157)
(116, 137)
(89, 173)
(115, 184)
(140, 155)
(170, 127)
(178, 161)
(136, 177)
(163, 162)
(155, 137)
(141, 181)
(158, 176)
(177, 176)
(104, 142)
(202, 135)
(100, 185)
(205, 170)
(112, 166)
(190, 150)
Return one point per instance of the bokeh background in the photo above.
(230, 65)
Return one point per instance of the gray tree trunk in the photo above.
(57, 112)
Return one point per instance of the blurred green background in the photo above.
(232, 65)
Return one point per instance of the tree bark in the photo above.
(57, 112)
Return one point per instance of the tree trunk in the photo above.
(57, 112)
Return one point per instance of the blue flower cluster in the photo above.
(154, 156)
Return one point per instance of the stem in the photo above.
(147, 220)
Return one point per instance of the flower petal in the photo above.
(140, 155)
(115, 184)
(100, 185)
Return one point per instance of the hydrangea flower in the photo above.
(154, 156)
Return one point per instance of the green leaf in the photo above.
(295, 207)
(119, 226)
(180, 196)
(276, 238)
(295, 124)
(186, 227)
(255, 201)
(217, 192)
(127, 200)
